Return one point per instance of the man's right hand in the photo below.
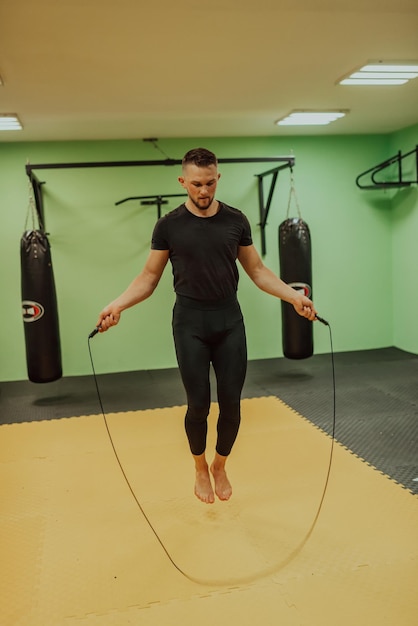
(110, 316)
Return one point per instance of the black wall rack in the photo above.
(401, 179)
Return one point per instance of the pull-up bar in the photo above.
(286, 163)
(166, 162)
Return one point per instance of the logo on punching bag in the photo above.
(32, 311)
(303, 287)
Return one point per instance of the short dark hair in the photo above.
(200, 157)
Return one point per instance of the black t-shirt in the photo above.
(203, 250)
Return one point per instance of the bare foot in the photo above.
(203, 487)
(223, 487)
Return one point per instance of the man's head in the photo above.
(200, 177)
(199, 157)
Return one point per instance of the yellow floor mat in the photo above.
(76, 550)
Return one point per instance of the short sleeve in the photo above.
(159, 239)
(246, 237)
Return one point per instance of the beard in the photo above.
(204, 204)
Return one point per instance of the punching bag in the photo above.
(39, 308)
(296, 271)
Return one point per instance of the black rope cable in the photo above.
(321, 319)
(172, 561)
(124, 473)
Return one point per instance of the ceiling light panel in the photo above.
(384, 73)
(367, 74)
(390, 67)
(9, 121)
(374, 81)
(310, 118)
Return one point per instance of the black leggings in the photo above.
(205, 333)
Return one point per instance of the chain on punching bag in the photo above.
(296, 271)
(39, 304)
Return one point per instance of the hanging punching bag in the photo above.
(296, 271)
(39, 308)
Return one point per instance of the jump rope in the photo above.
(137, 501)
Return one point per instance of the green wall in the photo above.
(97, 247)
(404, 211)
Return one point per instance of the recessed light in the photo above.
(407, 75)
(9, 121)
(310, 118)
(391, 67)
(373, 81)
(384, 73)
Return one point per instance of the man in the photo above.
(203, 238)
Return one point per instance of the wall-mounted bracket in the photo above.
(286, 162)
(157, 200)
(401, 179)
(264, 207)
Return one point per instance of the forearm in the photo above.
(140, 289)
(268, 281)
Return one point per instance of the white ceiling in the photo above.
(101, 69)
